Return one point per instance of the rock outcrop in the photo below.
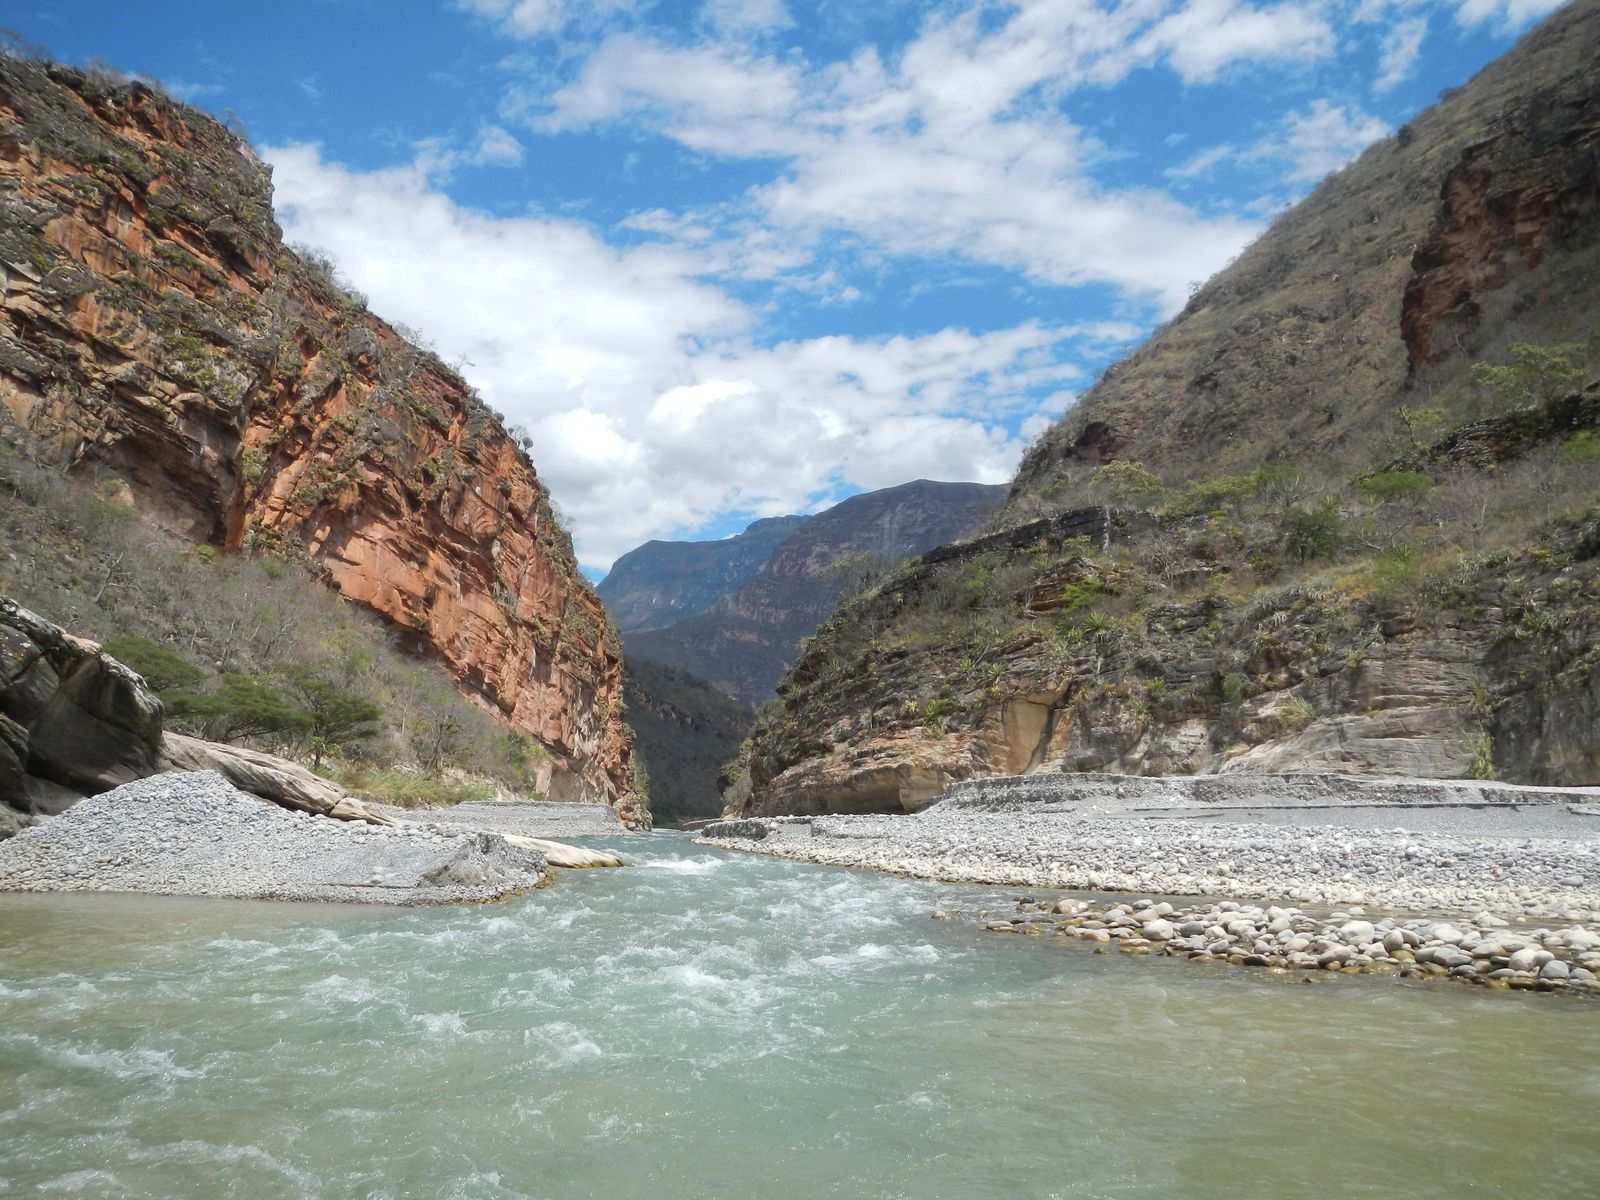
(75, 722)
(157, 333)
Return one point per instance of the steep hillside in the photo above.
(660, 583)
(1357, 494)
(1470, 229)
(159, 337)
(685, 732)
(746, 642)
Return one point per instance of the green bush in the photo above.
(1125, 480)
(1581, 447)
(1393, 485)
(1535, 375)
(1313, 533)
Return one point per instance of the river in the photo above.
(702, 1024)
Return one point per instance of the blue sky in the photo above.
(725, 259)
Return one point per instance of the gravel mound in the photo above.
(531, 818)
(195, 834)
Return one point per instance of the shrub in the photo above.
(1535, 375)
(1125, 480)
(1581, 447)
(1311, 533)
(1393, 485)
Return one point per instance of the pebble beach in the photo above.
(1476, 882)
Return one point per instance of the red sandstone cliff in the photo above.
(156, 332)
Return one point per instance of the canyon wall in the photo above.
(1330, 541)
(158, 337)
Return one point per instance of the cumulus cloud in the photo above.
(1508, 16)
(1321, 138)
(521, 18)
(1401, 48)
(1203, 37)
(954, 149)
(651, 407)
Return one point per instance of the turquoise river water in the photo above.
(709, 1025)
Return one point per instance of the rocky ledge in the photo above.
(195, 834)
(1485, 951)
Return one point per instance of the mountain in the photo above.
(660, 583)
(746, 641)
(685, 732)
(158, 337)
(1342, 513)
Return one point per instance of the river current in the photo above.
(703, 1024)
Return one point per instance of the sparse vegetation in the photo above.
(249, 650)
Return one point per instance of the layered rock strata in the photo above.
(157, 335)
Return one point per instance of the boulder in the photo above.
(265, 775)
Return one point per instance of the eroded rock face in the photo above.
(1302, 679)
(155, 327)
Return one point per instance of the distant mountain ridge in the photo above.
(660, 583)
(743, 644)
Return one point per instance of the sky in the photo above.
(727, 259)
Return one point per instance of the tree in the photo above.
(1313, 532)
(1536, 375)
(856, 574)
(169, 675)
(332, 716)
(164, 669)
(1124, 480)
(245, 707)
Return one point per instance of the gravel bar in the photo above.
(195, 834)
(1328, 840)
(530, 818)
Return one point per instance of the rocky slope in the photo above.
(661, 583)
(1299, 575)
(157, 334)
(744, 644)
(1473, 227)
(685, 733)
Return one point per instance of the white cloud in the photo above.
(1321, 139)
(1205, 36)
(746, 16)
(1202, 163)
(1401, 48)
(955, 149)
(495, 147)
(1508, 16)
(651, 408)
(520, 18)
(189, 93)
